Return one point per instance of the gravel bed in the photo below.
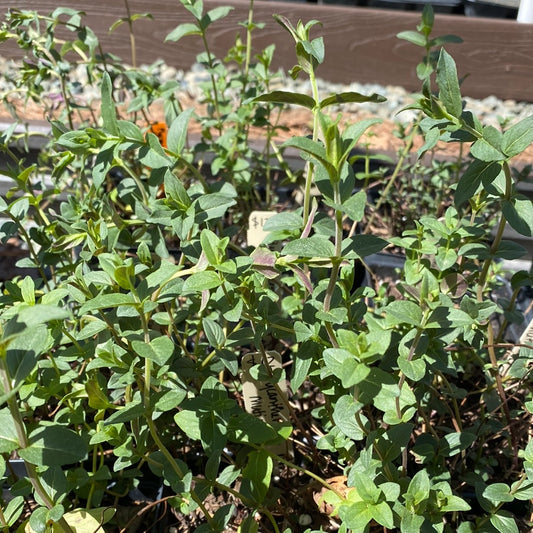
(490, 110)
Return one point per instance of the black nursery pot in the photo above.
(476, 8)
(439, 6)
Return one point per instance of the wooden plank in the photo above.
(361, 43)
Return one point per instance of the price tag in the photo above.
(256, 234)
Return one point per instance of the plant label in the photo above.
(262, 397)
(256, 234)
(527, 336)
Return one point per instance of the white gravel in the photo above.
(489, 110)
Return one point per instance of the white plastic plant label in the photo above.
(262, 398)
(255, 233)
(527, 335)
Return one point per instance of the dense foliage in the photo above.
(126, 357)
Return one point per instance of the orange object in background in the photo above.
(160, 129)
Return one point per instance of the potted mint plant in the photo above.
(256, 384)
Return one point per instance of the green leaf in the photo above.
(454, 443)
(177, 133)
(443, 39)
(97, 397)
(40, 314)
(91, 329)
(24, 350)
(284, 221)
(518, 137)
(210, 246)
(366, 488)
(354, 207)
(382, 514)
(403, 312)
(411, 523)
(175, 190)
(351, 97)
(217, 13)
(476, 173)
(355, 515)
(214, 333)
(8, 434)
(256, 476)
(86, 520)
(54, 446)
(303, 360)
(519, 214)
(154, 155)
(130, 411)
(522, 490)
(344, 416)
(246, 428)
(454, 503)
(159, 350)
(38, 520)
(488, 148)
(286, 97)
(13, 510)
(170, 400)
(510, 250)
(316, 150)
(413, 37)
(431, 138)
(130, 131)
(27, 289)
(189, 423)
(424, 70)
(314, 48)
(419, 487)
(362, 245)
(105, 301)
(449, 91)
(498, 493)
(504, 522)
(182, 31)
(201, 281)
(445, 258)
(414, 369)
(109, 116)
(315, 246)
(345, 366)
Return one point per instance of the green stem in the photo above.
(24, 443)
(336, 263)
(211, 64)
(288, 463)
(270, 517)
(153, 428)
(482, 285)
(164, 450)
(309, 166)
(132, 37)
(249, 39)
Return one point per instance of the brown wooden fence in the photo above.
(361, 43)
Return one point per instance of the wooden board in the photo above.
(361, 43)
